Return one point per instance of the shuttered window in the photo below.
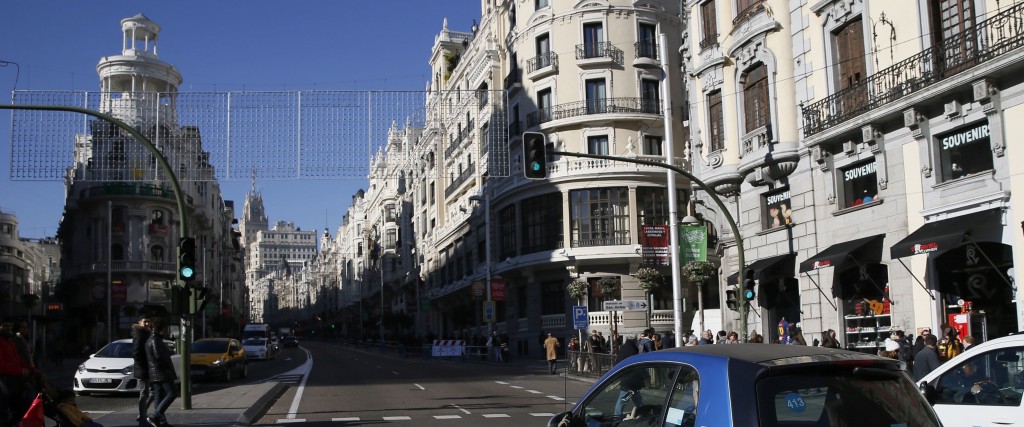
(755, 98)
(716, 122)
(709, 18)
(850, 46)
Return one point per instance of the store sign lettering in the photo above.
(965, 137)
(923, 248)
(852, 174)
(822, 264)
(776, 198)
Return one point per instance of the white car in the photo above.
(258, 348)
(981, 387)
(110, 370)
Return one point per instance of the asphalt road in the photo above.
(350, 386)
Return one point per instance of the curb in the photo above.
(260, 406)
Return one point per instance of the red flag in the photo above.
(34, 416)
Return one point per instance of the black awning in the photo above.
(865, 250)
(945, 234)
(768, 268)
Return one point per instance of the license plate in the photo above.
(101, 381)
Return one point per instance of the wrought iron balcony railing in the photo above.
(597, 106)
(541, 61)
(599, 50)
(463, 177)
(601, 241)
(646, 49)
(988, 40)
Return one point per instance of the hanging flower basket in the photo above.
(699, 271)
(649, 278)
(608, 284)
(578, 289)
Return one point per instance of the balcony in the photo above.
(542, 65)
(598, 54)
(601, 241)
(590, 107)
(513, 81)
(646, 54)
(459, 180)
(130, 266)
(986, 42)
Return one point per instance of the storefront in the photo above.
(970, 268)
(861, 284)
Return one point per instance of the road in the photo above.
(350, 386)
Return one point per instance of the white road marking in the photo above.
(542, 414)
(401, 418)
(535, 392)
(497, 416)
(290, 420)
(393, 372)
(345, 419)
(517, 386)
(421, 387)
(304, 369)
(460, 408)
(556, 398)
(501, 382)
(447, 417)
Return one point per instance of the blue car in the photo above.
(752, 385)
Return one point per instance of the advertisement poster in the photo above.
(778, 209)
(654, 242)
(693, 243)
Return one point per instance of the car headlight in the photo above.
(81, 369)
(128, 370)
(217, 362)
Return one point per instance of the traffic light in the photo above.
(749, 290)
(535, 155)
(187, 259)
(731, 301)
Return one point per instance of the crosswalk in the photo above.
(285, 378)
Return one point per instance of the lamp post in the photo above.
(486, 200)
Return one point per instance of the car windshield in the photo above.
(116, 349)
(254, 342)
(871, 396)
(210, 347)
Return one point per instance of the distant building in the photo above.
(29, 271)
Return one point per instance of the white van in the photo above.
(981, 387)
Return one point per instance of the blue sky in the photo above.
(222, 45)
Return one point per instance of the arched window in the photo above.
(156, 253)
(116, 252)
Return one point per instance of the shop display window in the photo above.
(859, 184)
(778, 210)
(964, 151)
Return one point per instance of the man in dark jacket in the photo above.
(161, 375)
(627, 349)
(927, 360)
(140, 334)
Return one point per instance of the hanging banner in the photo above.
(497, 289)
(693, 243)
(654, 243)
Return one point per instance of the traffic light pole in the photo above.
(725, 212)
(179, 197)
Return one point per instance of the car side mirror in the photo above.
(929, 392)
(561, 420)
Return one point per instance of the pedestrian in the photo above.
(968, 342)
(732, 338)
(505, 355)
(706, 338)
(140, 368)
(628, 348)
(494, 344)
(669, 341)
(551, 347)
(14, 375)
(927, 359)
(69, 408)
(905, 352)
(644, 343)
(919, 342)
(161, 374)
(720, 338)
(829, 340)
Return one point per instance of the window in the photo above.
(596, 102)
(654, 205)
(709, 17)
(646, 45)
(6, 229)
(640, 392)
(600, 217)
(716, 122)
(507, 222)
(390, 214)
(650, 96)
(552, 297)
(597, 145)
(542, 223)
(988, 379)
(860, 184)
(746, 7)
(778, 209)
(652, 145)
(544, 105)
(543, 52)
(965, 151)
(593, 40)
(755, 98)
(156, 254)
(951, 22)
(538, 4)
(851, 66)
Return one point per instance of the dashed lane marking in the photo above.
(290, 420)
(535, 391)
(542, 414)
(556, 398)
(497, 416)
(346, 419)
(447, 417)
(399, 418)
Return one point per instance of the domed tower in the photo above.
(136, 79)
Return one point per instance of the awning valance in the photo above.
(864, 250)
(945, 234)
(767, 268)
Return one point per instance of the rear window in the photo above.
(871, 397)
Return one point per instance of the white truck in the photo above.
(257, 330)
(283, 332)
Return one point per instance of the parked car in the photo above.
(222, 358)
(110, 370)
(258, 348)
(751, 385)
(291, 341)
(980, 387)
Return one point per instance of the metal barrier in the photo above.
(586, 364)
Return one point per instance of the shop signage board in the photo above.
(625, 305)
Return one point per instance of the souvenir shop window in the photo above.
(964, 151)
(859, 184)
(778, 210)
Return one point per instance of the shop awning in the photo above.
(766, 268)
(864, 250)
(945, 234)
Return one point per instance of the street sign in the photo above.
(489, 311)
(580, 317)
(626, 305)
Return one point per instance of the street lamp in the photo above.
(486, 200)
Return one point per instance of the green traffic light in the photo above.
(187, 272)
(535, 166)
(748, 294)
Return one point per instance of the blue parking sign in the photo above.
(580, 318)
